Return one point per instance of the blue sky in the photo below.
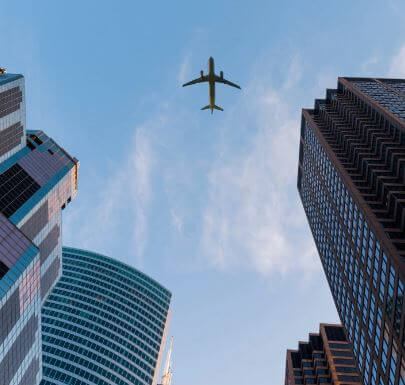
(207, 205)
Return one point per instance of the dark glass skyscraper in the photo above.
(351, 180)
(103, 323)
(327, 358)
(37, 180)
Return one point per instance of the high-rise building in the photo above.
(103, 323)
(351, 179)
(327, 358)
(37, 179)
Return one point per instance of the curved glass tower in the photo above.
(103, 323)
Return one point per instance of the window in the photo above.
(393, 366)
(297, 372)
(318, 363)
(385, 343)
(343, 361)
(339, 346)
(36, 139)
(30, 145)
(346, 369)
(16, 187)
(383, 274)
(317, 355)
(308, 372)
(398, 307)
(349, 378)
(3, 269)
(402, 372)
(390, 296)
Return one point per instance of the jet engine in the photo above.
(221, 74)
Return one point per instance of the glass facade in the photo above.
(327, 358)
(351, 180)
(12, 115)
(103, 323)
(37, 179)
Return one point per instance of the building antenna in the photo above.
(167, 374)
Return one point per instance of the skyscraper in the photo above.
(327, 358)
(37, 179)
(103, 323)
(351, 179)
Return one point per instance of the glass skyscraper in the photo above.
(103, 323)
(351, 179)
(37, 180)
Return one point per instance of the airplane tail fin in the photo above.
(215, 108)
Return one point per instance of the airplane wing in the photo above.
(201, 79)
(218, 79)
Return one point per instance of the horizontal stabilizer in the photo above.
(214, 107)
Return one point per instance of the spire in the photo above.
(167, 374)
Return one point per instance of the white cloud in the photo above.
(124, 196)
(253, 218)
(369, 64)
(177, 221)
(139, 173)
(121, 194)
(397, 67)
(294, 73)
(185, 69)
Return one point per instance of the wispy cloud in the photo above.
(120, 196)
(119, 205)
(177, 221)
(397, 67)
(253, 218)
(370, 64)
(185, 69)
(294, 73)
(141, 164)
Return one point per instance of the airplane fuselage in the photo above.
(211, 82)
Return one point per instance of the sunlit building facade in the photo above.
(327, 358)
(37, 180)
(351, 180)
(103, 323)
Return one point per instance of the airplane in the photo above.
(211, 78)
